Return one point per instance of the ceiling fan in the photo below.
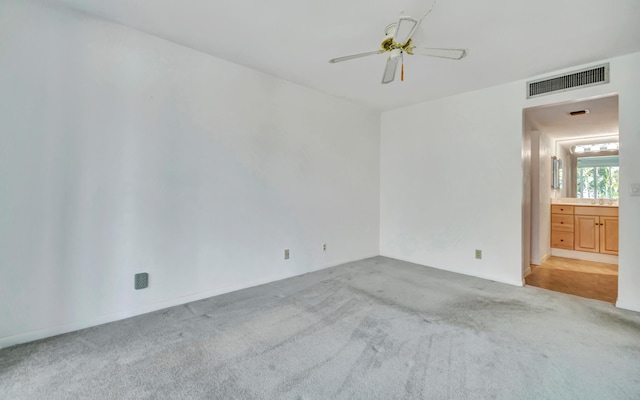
(397, 41)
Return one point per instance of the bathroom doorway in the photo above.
(574, 180)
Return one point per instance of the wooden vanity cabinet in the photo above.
(585, 228)
(596, 229)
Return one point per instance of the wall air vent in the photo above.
(591, 76)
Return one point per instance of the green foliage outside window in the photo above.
(602, 182)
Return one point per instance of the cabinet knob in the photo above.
(562, 240)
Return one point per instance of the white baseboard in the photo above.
(541, 260)
(74, 326)
(586, 256)
(627, 306)
(519, 283)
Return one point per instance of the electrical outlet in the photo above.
(286, 254)
(324, 247)
(479, 254)
(141, 280)
(634, 189)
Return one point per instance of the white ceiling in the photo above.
(555, 120)
(293, 39)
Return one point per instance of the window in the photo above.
(598, 177)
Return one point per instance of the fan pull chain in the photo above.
(402, 69)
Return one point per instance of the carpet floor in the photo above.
(372, 329)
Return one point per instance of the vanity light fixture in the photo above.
(594, 148)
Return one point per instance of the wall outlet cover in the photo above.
(286, 254)
(141, 280)
(479, 254)
(634, 189)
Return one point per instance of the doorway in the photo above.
(573, 177)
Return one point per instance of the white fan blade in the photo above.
(454, 54)
(351, 57)
(404, 30)
(391, 67)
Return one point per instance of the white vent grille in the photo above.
(591, 76)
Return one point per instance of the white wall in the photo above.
(541, 193)
(545, 193)
(123, 153)
(527, 175)
(536, 188)
(627, 83)
(435, 210)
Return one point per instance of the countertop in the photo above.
(585, 204)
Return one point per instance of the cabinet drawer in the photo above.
(601, 211)
(562, 222)
(561, 209)
(562, 240)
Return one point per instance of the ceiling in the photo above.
(600, 121)
(294, 39)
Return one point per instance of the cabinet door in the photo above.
(587, 233)
(609, 235)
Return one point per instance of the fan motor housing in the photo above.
(388, 45)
